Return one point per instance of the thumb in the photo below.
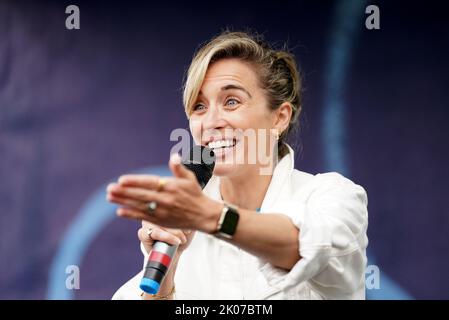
(177, 168)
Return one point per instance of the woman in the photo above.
(298, 235)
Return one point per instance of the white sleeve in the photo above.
(131, 290)
(332, 223)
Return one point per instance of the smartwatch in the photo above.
(227, 224)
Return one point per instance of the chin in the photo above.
(223, 170)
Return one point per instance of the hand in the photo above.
(179, 237)
(182, 238)
(180, 204)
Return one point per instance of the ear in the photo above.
(283, 114)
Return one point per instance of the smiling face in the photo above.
(230, 108)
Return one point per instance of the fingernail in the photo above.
(113, 187)
(120, 180)
(175, 158)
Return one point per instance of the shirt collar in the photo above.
(281, 173)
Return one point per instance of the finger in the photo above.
(190, 236)
(139, 194)
(165, 236)
(139, 205)
(178, 169)
(133, 214)
(143, 236)
(147, 224)
(178, 233)
(140, 180)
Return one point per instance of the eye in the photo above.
(199, 107)
(232, 102)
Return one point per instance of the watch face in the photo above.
(230, 222)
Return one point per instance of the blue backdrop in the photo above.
(80, 107)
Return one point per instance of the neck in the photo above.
(246, 191)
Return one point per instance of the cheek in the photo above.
(256, 115)
(245, 118)
(195, 129)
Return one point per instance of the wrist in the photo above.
(167, 284)
(227, 223)
(161, 295)
(212, 212)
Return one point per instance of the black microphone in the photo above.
(201, 160)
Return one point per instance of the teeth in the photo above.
(221, 144)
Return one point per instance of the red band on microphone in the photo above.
(160, 257)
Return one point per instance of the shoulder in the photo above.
(326, 183)
(320, 178)
(327, 193)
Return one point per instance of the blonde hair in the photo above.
(276, 69)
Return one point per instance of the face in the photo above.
(232, 116)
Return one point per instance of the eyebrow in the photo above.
(235, 87)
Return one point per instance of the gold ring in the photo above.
(160, 184)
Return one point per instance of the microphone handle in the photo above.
(157, 266)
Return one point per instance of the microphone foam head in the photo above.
(201, 160)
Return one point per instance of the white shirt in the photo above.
(331, 214)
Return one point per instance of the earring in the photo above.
(277, 134)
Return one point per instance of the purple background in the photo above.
(78, 108)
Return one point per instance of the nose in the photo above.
(213, 119)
